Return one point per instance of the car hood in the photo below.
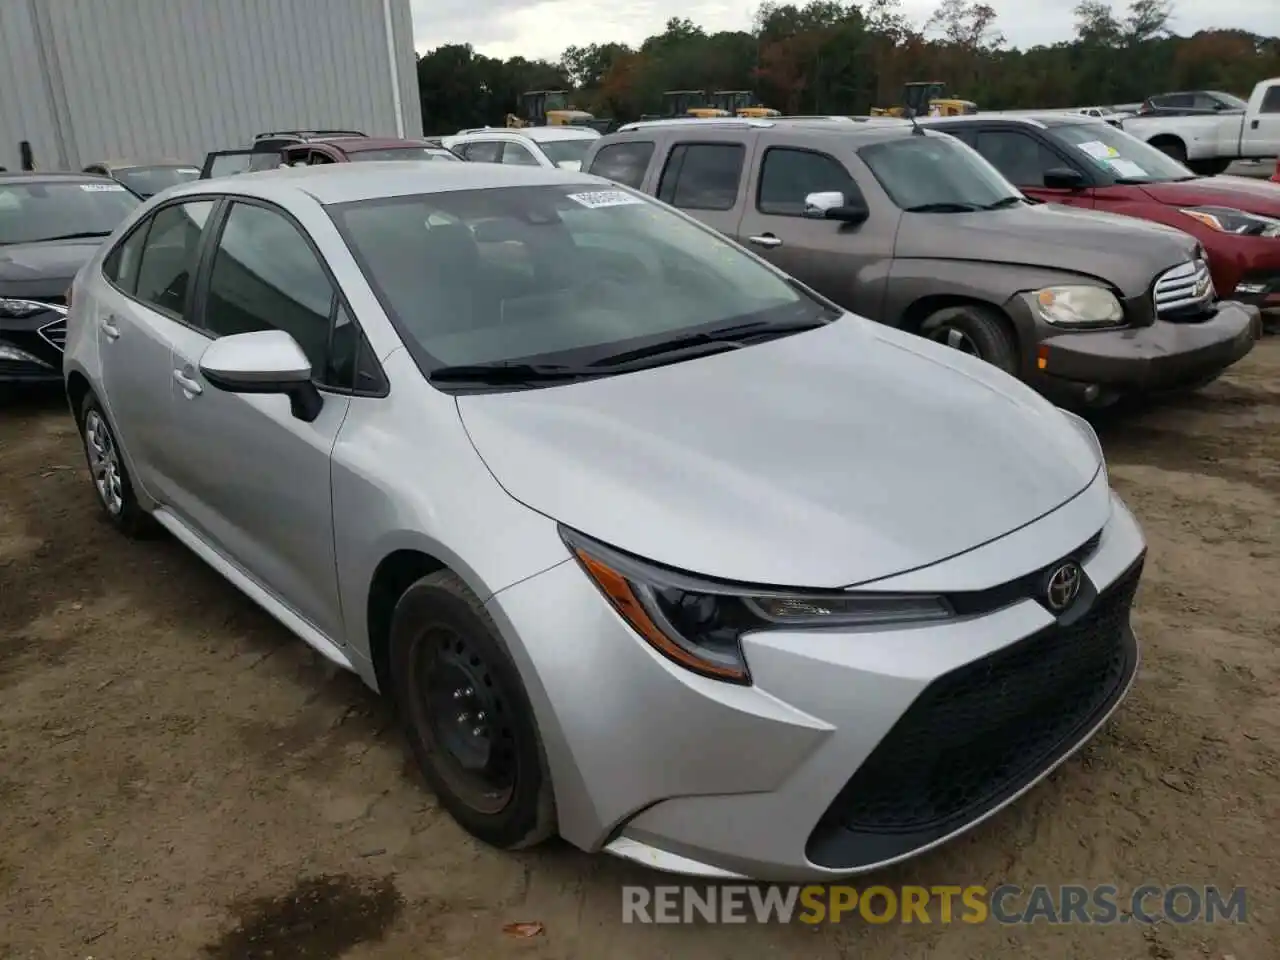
(1240, 193)
(823, 459)
(1121, 251)
(50, 260)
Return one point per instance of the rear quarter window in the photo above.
(623, 163)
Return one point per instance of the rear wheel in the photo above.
(1171, 148)
(467, 716)
(977, 330)
(110, 476)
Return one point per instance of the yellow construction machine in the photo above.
(926, 98)
(742, 103)
(548, 108)
(690, 103)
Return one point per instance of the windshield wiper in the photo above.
(83, 235)
(1003, 202)
(508, 372)
(945, 206)
(729, 338)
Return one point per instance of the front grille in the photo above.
(1184, 289)
(978, 734)
(55, 334)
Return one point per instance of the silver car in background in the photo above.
(650, 545)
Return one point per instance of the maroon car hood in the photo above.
(1241, 193)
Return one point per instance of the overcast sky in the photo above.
(543, 28)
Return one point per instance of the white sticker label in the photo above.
(1127, 168)
(605, 198)
(101, 187)
(1099, 150)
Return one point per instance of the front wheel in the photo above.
(467, 716)
(977, 330)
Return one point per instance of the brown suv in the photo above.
(917, 230)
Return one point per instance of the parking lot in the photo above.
(181, 778)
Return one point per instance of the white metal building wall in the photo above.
(87, 80)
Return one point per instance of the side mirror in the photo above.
(264, 361)
(573, 166)
(1064, 178)
(833, 205)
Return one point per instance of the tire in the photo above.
(975, 329)
(443, 642)
(110, 477)
(1174, 149)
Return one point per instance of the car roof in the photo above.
(872, 131)
(346, 182)
(536, 134)
(1029, 118)
(357, 144)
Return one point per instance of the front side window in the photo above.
(171, 255)
(1119, 154)
(702, 176)
(788, 176)
(1022, 158)
(564, 272)
(68, 209)
(936, 174)
(623, 163)
(265, 276)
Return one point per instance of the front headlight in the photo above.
(1079, 306)
(699, 623)
(1230, 220)
(20, 309)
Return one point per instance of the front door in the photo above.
(254, 480)
(1261, 131)
(848, 262)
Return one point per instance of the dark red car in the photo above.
(1083, 162)
(322, 149)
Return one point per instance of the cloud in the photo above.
(543, 28)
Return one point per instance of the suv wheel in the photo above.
(467, 716)
(107, 470)
(976, 330)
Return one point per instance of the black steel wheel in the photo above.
(467, 716)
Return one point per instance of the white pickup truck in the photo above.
(1208, 143)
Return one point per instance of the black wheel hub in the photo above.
(956, 339)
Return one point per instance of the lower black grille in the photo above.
(978, 734)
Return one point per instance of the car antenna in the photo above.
(911, 115)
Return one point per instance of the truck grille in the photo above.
(981, 732)
(1185, 289)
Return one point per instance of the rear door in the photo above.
(707, 180)
(848, 262)
(1024, 158)
(1260, 136)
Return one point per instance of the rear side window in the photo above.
(121, 264)
(702, 176)
(788, 176)
(623, 163)
(483, 151)
(170, 256)
(519, 155)
(1271, 100)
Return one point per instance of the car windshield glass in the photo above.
(403, 153)
(1119, 154)
(148, 181)
(933, 173)
(564, 273)
(47, 210)
(558, 151)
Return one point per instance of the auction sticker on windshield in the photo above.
(1099, 150)
(101, 187)
(605, 198)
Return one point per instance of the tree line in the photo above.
(829, 56)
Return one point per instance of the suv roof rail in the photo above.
(733, 123)
(305, 134)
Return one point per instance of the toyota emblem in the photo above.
(1063, 586)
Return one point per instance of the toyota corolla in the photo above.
(650, 545)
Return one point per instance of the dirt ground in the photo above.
(179, 778)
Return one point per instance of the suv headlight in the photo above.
(699, 623)
(18, 309)
(1079, 306)
(1230, 220)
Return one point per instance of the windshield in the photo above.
(558, 151)
(936, 173)
(47, 210)
(148, 181)
(571, 273)
(1119, 154)
(403, 153)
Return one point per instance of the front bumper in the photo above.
(850, 751)
(1162, 356)
(31, 347)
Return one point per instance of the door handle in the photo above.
(189, 384)
(108, 326)
(766, 240)
(1253, 125)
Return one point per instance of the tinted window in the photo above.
(148, 181)
(518, 154)
(473, 276)
(702, 176)
(1271, 100)
(789, 176)
(1178, 100)
(623, 162)
(1019, 156)
(47, 210)
(121, 265)
(171, 254)
(935, 174)
(265, 276)
(484, 151)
